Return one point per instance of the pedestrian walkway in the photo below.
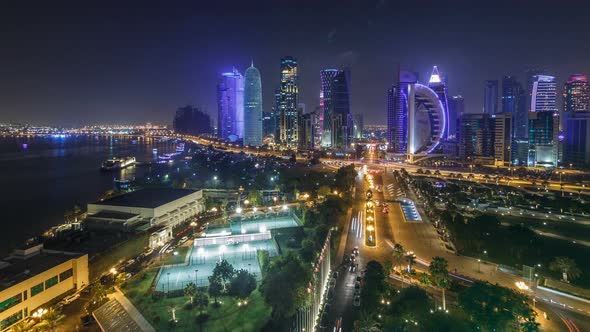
(119, 314)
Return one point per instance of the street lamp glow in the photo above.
(239, 210)
(285, 207)
(113, 271)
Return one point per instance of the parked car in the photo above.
(184, 239)
(357, 301)
(87, 320)
(71, 298)
(355, 250)
(148, 252)
(332, 282)
(335, 274)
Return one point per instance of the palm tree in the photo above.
(172, 309)
(366, 324)
(190, 290)
(425, 279)
(530, 325)
(398, 255)
(411, 259)
(50, 320)
(22, 326)
(440, 275)
(566, 266)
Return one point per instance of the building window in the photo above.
(25, 295)
(36, 289)
(11, 302)
(65, 275)
(11, 319)
(50, 282)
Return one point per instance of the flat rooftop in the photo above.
(18, 270)
(147, 198)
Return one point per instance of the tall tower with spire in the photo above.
(437, 84)
(252, 107)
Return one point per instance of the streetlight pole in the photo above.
(168, 274)
(196, 278)
(479, 265)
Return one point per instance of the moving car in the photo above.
(71, 298)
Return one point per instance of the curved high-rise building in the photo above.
(252, 107)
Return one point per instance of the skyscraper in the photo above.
(307, 127)
(286, 103)
(438, 85)
(252, 107)
(513, 102)
(576, 120)
(490, 97)
(456, 109)
(335, 117)
(543, 126)
(544, 94)
(230, 106)
(358, 124)
(576, 94)
(397, 111)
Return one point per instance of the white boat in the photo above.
(117, 163)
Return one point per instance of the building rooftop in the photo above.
(147, 198)
(14, 270)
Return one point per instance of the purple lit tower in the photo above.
(230, 106)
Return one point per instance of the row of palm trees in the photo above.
(438, 275)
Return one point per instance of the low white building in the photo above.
(156, 206)
(32, 276)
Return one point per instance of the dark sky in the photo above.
(71, 63)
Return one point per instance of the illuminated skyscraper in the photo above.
(576, 120)
(513, 102)
(230, 106)
(576, 94)
(544, 94)
(252, 107)
(286, 103)
(543, 122)
(335, 117)
(456, 109)
(490, 101)
(439, 85)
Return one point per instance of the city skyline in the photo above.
(119, 69)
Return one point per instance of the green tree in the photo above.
(255, 197)
(190, 290)
(439, 274)
(366, 323)
(22, 326)
(224, 270)
(495, 308)
(284, 286)
(529, 325)
(215, 287)
(242, 284)
(201, 300)
(50, 320)
(308, 250)
(398, 258)
(373, 284)
(99, 292)
(566, 266)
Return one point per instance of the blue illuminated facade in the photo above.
(252, 107)
(336, 119)
(230, 106)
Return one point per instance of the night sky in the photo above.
(71, 63)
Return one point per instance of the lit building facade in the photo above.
(33, 276)
(252, 107)
(576, 120)
(543, 139)
(456, 108)
(514, 102)
(544, 94)
(307, 128)
(439, 85)
(286, 103)
(490, 93)
(335, 118)
(230, 106)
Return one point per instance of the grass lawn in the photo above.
(126, 250)
(227, 317)
(283, 235)
(176, 259)
(564, 228)
(515, 246)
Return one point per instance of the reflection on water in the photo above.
(41, 177)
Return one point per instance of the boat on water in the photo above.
(117, 163)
